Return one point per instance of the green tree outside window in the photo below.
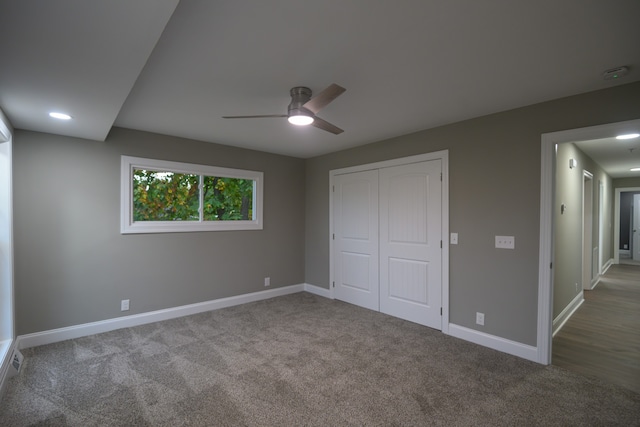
(171, 196)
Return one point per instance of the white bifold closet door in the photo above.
(388, 254)
(356, 239)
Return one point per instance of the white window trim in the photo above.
(128, 226)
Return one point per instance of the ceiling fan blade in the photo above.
(319, 101)
(325, 125)
(254, 117)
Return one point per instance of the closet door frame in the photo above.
(444, 157)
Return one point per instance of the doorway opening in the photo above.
(627, 225)
(548, 206)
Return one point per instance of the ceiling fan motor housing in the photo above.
(299, 96)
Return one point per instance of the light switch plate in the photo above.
(505, 242)
(454, 238)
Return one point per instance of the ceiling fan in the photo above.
(303, 109)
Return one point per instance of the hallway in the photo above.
(602, 338)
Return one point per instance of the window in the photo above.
(165, 197)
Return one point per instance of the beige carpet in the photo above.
(298, 360)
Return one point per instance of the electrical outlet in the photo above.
(480, 319)
(505, 242)
(576, 287)
(124, 305)
(267, 281)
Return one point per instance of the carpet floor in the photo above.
(298, 360)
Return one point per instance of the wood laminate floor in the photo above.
(602, 338)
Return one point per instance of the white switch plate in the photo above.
(454, 238)
(124, 305)
(480, 319)
(267, 281)
(505, 242)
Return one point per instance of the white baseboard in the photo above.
(606, 265)
(565, 314)
(497, 343)
(77, 331)
(317, 290)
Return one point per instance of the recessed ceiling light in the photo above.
(628, 136)
(59, 116)
(635, 169)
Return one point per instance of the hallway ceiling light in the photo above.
(635, 169)
(628, 136)
(59, 116)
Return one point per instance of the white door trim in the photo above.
(587, 230)
(442, 155)
(547, 185)
(635, 224)
(600, 227)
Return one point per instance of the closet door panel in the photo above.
(410, 242)
(356, 255)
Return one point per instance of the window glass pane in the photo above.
(165, 196)
(227, 199)
(160, 196)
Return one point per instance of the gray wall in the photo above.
(72, 265)
(494, 190)
(568, 225)
(626, 182)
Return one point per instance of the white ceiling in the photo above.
(74, 56)
(615, 156)
(177, 67)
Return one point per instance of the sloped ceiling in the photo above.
(77, 57)
(177, 67)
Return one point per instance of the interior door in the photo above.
(636, 227)
(355, 203)
(410, 242)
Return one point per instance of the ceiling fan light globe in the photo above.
(300, 120)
